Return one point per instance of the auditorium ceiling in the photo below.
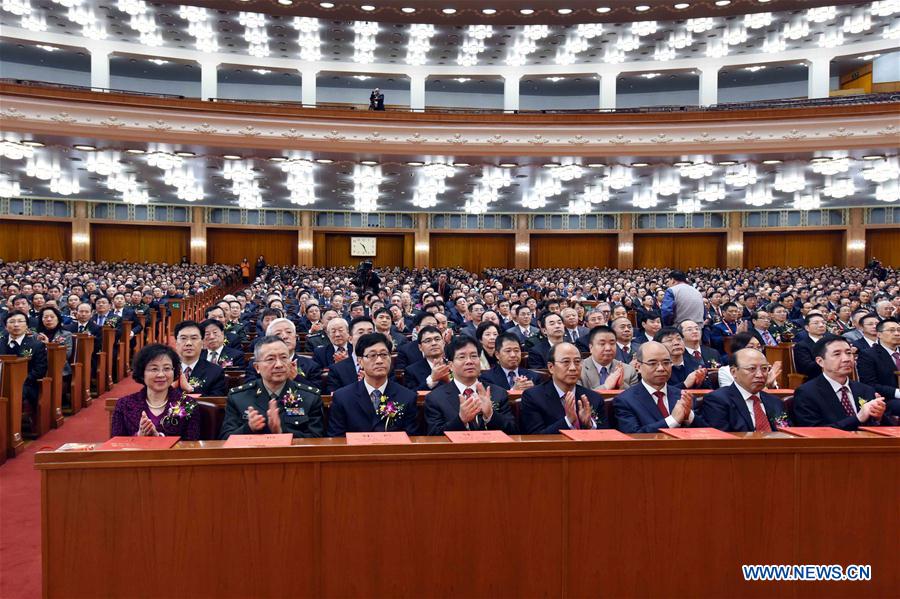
(91, 169)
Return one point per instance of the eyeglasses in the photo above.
(164, 370)
(654, 364)
(377, 356)
(567, 363)
(751, 369)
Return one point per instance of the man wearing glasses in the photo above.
(654, 404)
(434, 370)
(375, 403)
(743, 406)
(878, 364)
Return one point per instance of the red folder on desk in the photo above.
(600, 434)
(378, 439)
(280, 440)
(119, 443)
(694, 434)
(478, 436)
(816, 432)
(887, 431)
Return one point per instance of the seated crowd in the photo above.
(530, 352)
(45, 302)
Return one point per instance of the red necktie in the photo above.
(845, 402)
(759, 415)
(187, 372)
(661, 403)
(896, 356)
(698, 355)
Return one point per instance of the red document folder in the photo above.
(478, 436)
(887, 431)
(600, 434)
(119, 443)
(816, 432)
(378, 439)
(280, 440)
(694, 434)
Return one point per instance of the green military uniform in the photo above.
(235, 335)
(777, 331)
(299, 405)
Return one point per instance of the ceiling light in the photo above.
(603, 9)
(277, 159)
(508, 165)
(723, 2)
(526, 11)
(564, 11)
(596, 165)
(681, 5)
(873, 157)
(642, 8)
(461, 164)
(324, 160)
(489, 11)
(414, 163)
(326, 4)
(367, 7)
(184, 154)
(772, 161)
(285, 2)
(47, 48)
(640, 164)
(85, 148)
(231, 157)
(754, 68)
(727, 162)
(462, 79)
(31, 143)
(448, 11)
(649, 75)
(369, 162)
(408, 10)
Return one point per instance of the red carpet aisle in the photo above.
(20, 498)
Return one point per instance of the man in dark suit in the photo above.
(553, 328)
(523, 328)
(561, 403)
(507, 373)
(832, 399)
(877, 365)
(338, 348)
(442, 287)
(83, 322)
(653, 404)
(409, 352)
(705, 355)
(273, 403)
(375, 403)
(730, 325)
(305, 371)
(687, 373)
(573, 331)
(199, 376)
(743, 406)
(868, 325)
(215, 350)
(18, 342)
(433, 370)
(349, 371)
(125, 312)
(804, 344)
(464, 403)
(625, 346)
(650, 323)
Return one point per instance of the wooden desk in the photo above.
(542, 516)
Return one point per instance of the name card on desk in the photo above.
(693, 434)
(119, 443)
(816, 432)
(378, 439)
(887, 431)
(280, 440)
(600, 434)
(478, 436)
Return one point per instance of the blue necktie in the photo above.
(376, 399)
(511, 375)
(603, 374)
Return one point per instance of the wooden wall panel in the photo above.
(333, 249)
(139, 243)
(21, 240)
(794, 248)
(679, 250)
(574, 251)
(230, 246)
(883, 244)
(471, 251)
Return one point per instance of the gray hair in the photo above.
(267, 340)
(279, 321)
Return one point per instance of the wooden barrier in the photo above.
(4, 428)
(124, 364)
(84, 353)
(139, 338)
(14, 373)
(152, 328)
(782, 352)
(56, 360)
(41, 419)
(108, 345)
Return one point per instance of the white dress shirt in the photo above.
(749, 402)
(836, 386)
(462, 389)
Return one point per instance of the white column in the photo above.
(511, 91)
(417, 92)
(608, 90)
(709, 86)
(209, 80)
(819, 73)
(308, 86)
(99, 69)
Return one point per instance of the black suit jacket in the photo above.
(228, 358)
(862, 345)
(324, 354)
(211, 379)
(876, 369)
(496, 376)
(415, 375)
(804, 358)
(637, 410)
(542, 411)
(442, 411)
(538, 354)
(37, 365)
(352, 411)
(341, 374)
(816, 404)
(408, 353)
(726, 410)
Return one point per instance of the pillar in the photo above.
(99, 69)
(308, 86)
(511, 91)
(523, 242)
(81, 233)
(305, 239)
(709, 86)
(856, 240)
(417, 92)
(209, 80)
(422, 242)
(734, 242)
(608, 91)
(819, 73)
(198, 235)
(626, 243)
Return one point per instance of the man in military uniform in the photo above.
(274, 403)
